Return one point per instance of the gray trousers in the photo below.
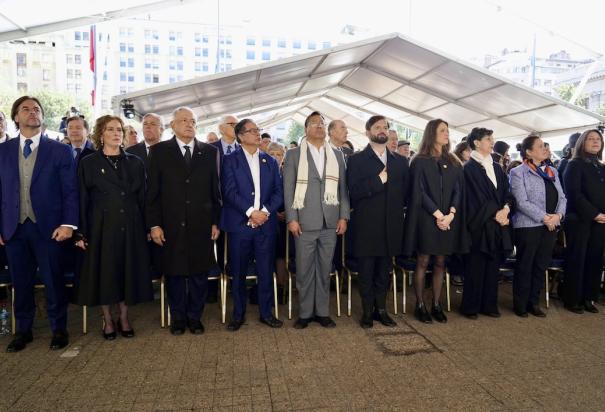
(314, 253)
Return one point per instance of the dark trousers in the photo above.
(480, 293)
(373, 281)
(243, 247)
(27, 251)
(584, 261)
(534, 253)
(220, 260)
(186, 296)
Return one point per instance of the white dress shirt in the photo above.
(35, 141)
(383, 156)
(319, 158)
(227, 145)
(182, 145)
(254, 164)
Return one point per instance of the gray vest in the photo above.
(26, 169)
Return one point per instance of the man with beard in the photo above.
(377, 181)
(39, 198)
(317, 209)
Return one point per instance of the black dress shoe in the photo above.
(521, 313)
(325, 321)
(495, 314)
(235, 324)
(438, 315)
(536, 311)
(272, 321)
(19, 342)
(422, 314)
(302, 323)
(125, 333)
(366, 321)
(579, 309)
(110, 335)
(196, 327)
(589, 307)
(472, 316)
(60, 340)
(383, 317)
(178, 327)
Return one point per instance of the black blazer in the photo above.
(377, 209)
(483, 200)
(140, 151)
(185, 202)
(584, 189)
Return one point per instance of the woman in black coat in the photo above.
(434, 221)
(116, 267)
(488, 203)
(584, 223)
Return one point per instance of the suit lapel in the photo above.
(178, 156)
(311, 164)
(265, 172)
(244, 164)
(43, 152)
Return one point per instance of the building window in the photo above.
(130, 32)
(45, 74)
(205, 39)
(147, 78)
(147, 49)
(105, 75)
(197, 66)
(171, 50)
(78, 74)
(228, 53)
(296, 44)
(130, 62)
(171, 79)
(156, 78)
(266, 55)
(250, 55)
(85, 36)
(197, 37)
(311, 45)
(198, 51)
(78, 58)
(69, 58)
(179, 66)
(171, 36)
(205, 52)
(147, 34)
(155, 35)
(228, 66)
(326, 45)
(122, 47)
(131, 77)
(179, 51)
(70, 73)
(122, 76)
(156, 64)
(266, 42)
(77, 36)
(172, 65)
(122, 62)
(156, 49)
(21, 60)
(205, 67)
(281, 43)
(147, 64)
(122, 31)
(130, 48)
(78, 88)
(250, 41)
(122, 89)
(179, 78)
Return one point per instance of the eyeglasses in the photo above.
(317, 125)
(255, 131)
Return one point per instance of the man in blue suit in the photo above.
(39, 200)
(252, 194)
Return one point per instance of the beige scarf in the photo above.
(331, 172)
(488, 164)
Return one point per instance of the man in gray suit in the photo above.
(317, 209)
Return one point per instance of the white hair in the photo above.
(178, 109)
(155, 115)
(224, 118)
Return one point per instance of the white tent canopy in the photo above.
(391, 75)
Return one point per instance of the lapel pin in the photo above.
(445, 166)
(264, 160)
(103, 171)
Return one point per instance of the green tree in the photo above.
(295, 132)
(566, 92)
(57, 104)
(411, 135)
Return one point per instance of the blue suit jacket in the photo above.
(238, 191)
(53, 191)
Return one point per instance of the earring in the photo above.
(101, 142)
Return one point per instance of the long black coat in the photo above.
(584, 184)
(185, 203)
(377, 209)
(116, 262)
(140, 151)
(442, 183)
(483, 200)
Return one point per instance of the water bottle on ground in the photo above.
(4, 322)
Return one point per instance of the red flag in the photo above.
(93, 61)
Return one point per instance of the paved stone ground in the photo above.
(557, 363)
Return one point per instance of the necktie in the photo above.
(27, 150)
(187, 155)
(78, 151)
(229, 149)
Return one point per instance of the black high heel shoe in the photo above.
(110, 335)
(125, 333)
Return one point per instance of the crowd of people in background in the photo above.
(120, 212)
